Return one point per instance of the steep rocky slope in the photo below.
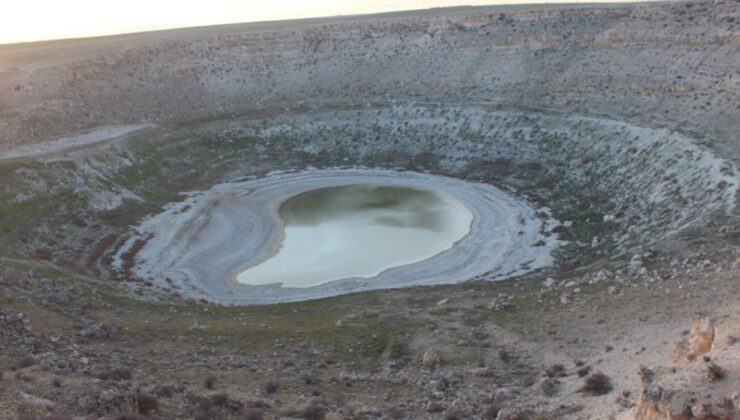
(672, 65)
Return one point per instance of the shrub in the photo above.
(22, 377)
(715, 373)
(556, 371)
(119, 374)
(584, 371)
(25, 361)
(597, 384)
(272, 387)
(146, 404)
(491, 412)
(209, 382)
(100, 249)
(28, 411)
(314, 412)
(220, 400)
(396, 412)
(167, 391)
(397, 350)
(436, 408)
(60, 416)
(254, 414)
(43, 254)
(310, 379)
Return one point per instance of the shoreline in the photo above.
(201, 243)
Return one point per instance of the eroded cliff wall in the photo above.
(656, 65)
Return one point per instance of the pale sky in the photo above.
(34, 20)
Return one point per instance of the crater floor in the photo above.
(204, 243)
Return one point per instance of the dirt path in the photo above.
(67, 144)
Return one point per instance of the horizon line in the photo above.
(166, 28)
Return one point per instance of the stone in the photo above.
(736, 263)
(102, 331)
(550, 283)
(483, 372)
(35, 400)
(602, 275)
(509, 414)
(431, 359)
(566, 299)
(501, 302)
(547, 387)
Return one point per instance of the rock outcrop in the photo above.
(702, 384)
(699, 342)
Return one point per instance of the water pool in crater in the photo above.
(212, 244)
(358, 231)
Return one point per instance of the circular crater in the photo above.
(317, 233)
(569, 166)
